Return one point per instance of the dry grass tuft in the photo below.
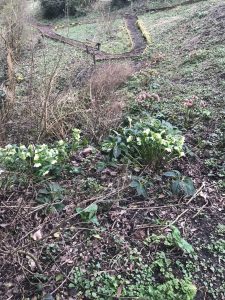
(97, 108)
(108, 77)
(101, 117)
(105, 106)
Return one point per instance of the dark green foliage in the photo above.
(55, 8)
(89, 213)
(139, 184)
(147, 141)
(180, 185)
(120, 3)
(52, 196)
(138, 283)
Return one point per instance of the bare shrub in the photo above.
(46, 110)
(108, 77)
(32, 109)
(104, 109)
(95, 109)
(101, 117)
(13, 36)
(13, 20)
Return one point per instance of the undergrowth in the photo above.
(130, 204)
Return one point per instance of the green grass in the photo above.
(183, 65)
(162, 22)
(157, 4)
(47, 58)
(112, 36)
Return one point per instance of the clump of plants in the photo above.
(51, 195)
(144, 102)
(89, 214)
(146, 78)
(139, 282)
(148, 141)
(39, 160)
(172, 239)
(106, 286)
(180, 185)
(193, 107)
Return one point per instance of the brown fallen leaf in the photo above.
(37, 235)
(140, 234)
(31, 263)
(57, 235)
(161, 196)
(87, 151)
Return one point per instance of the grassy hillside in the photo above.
(113, 184)
(112, 35)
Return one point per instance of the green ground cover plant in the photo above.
(39, 160)
(148, 141)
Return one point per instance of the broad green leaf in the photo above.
(184, 245)
(189, 188)
(116, 151)
(139, 187)
(48, 297)
(173, 173)
(91, 208)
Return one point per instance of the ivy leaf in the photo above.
(139, 187)
(181, 243)
(175, 187)
(93, 208)
(184, 186)
(94, 220)
(59, 277)
(59, 206)
(55, 187)
(89, 213)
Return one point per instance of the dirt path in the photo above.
(138, 41)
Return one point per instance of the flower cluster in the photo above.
(40, 160)
(143, 96)
(148, 141)
(190, 102)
